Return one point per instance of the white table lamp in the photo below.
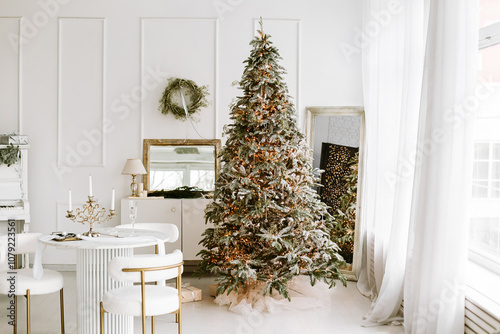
(133, 167)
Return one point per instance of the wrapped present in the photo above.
(13, 139)
(212, 290)
(189, 292)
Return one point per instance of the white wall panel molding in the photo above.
(81, 91)
(216, 81)
(183, 47)
(11, 78)
(71, 81)
(286, 36)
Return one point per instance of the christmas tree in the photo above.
(345, 215)
(270, 225)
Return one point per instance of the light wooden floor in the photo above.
(344, 316)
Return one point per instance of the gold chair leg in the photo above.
(179, 290)
(28, 312)
(102, 319)
(180, 322)
(61, 301)
(152, 324)
(143, 296)
(15, 314)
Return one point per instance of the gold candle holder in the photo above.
(91, 213)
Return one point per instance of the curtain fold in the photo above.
(437, 251)
(418, 161)
(392, 76)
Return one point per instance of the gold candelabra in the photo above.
(91, 213)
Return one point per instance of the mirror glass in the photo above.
(336, 136)
(172, 163)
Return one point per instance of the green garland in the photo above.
(181, 192)
(197, 96)
(9, 155)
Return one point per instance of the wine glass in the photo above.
(132, 210)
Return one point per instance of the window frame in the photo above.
(483, 271)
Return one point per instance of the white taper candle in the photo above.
(90, 184)
(113, 199)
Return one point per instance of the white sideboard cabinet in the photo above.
(186, 213)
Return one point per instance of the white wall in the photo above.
(81, 62)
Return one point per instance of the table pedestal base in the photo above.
(92, 282)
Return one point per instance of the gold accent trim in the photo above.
(143, 296)
(129, 270)
(61, 306)
(179, 290)
(133, 186)
(91, 213)
(28, 312)
(102, 311)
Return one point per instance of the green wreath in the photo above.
(196, 98)
(9, 155)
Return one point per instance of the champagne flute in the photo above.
(132, 210)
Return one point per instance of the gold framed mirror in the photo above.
(174, 163)
(336, 136)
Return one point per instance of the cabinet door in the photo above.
(156, 211)
(193, 225)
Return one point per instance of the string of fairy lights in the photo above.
(269, 224)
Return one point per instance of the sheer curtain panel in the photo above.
(437, 251)
(418, 80)
(392, 80)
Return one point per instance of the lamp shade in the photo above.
(133, 167)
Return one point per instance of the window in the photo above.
(202, 178)
(189, 174)
(166, 179)
(484, 228)
(486, 176)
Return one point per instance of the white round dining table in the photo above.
(92, 280)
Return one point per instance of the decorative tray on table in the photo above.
(63, 236)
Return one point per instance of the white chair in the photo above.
(25, 284)
(169, 229)
(145, 300)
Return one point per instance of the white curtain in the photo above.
(437, 251)
(392, 80)
(418, 160)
